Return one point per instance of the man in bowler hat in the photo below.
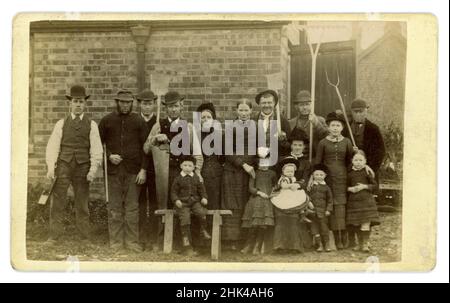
(124, 133)
(73, 155)
(148, 223)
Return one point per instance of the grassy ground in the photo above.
(385, 244)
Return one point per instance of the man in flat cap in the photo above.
(73, 155)
(305, 119)
(124, 133)
(367, 135)
(148, 223)
(267, 101)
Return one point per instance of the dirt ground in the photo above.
(385, 244)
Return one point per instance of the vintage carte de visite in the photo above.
(224, 142)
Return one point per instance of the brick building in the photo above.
(220, 62)
(381, 76)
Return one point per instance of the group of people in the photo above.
(337, 185)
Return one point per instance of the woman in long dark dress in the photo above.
(335, 151)
(213, 159)
(237, 170)
(290, 232)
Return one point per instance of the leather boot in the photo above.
(351, 236)
(259, 242)
(319, 244)
(344, 238)
(326, 243)
(203, 230)
(338, 239)
(360, 240)
(250, 243)
(365, 241)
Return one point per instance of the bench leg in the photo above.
(168, 233)
(216, 237)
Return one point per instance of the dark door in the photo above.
(333, 57)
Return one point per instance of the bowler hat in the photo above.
(358, 104)
(321, 167)
(209, 107)
(172, 97)
(146, 95)
(187, 158)
(124, 95)
(77, 91)
(298, 134)
(302, 96)
(267, 92)
(333, 116)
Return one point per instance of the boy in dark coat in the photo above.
(322, 199)
(189, 195)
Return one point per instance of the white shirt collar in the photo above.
(183, 174)
(73, 116)
(176, 120)
(145, 118)
(264, 116)
(319, 182)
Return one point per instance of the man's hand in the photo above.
(204, 201)
(282, 136)
(310, 183)
(355, 149)
(249, 169)
(141, 177)
(115, 159)
(360, 187)
(313, 118)
(327, 213)
(51, 174)
(162, 138)
(178, 204)
(90, 176)
(370, 171)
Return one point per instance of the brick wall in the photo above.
(381, 81)
(221, 66)
(217, 65)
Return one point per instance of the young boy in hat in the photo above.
(189, 195)
(322, 199)
(124, 133)
(148, 222)
(74, 153)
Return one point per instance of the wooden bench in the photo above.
(216, 247)
(168, 219)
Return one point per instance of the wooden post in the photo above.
(167, 219)
(216, 237)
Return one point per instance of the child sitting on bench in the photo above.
(189, 195)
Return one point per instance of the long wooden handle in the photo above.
(345, 116)
(105, 163)
(313, 94)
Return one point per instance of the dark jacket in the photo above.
(373, 144)
(322, 199)
(125, 135)
(187, 189)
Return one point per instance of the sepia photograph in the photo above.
(168, 140)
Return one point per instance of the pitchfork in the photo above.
(336, 87)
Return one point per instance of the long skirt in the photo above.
(361, 208)
(289, 232)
